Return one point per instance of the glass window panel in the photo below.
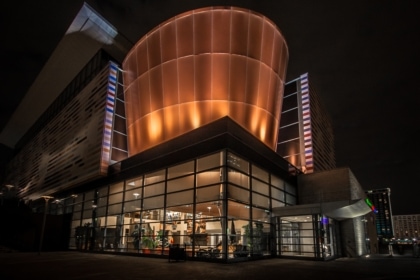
(260, 201)
(238, 178)
(134, 183)
(132, 206)
(308, 231)
(111, 221)
(290, 117)
(155, 189)
(277, 194)
(102, 201)
(291, 200)
(181, 170)
(154, 177)
(237, 163)
(238, 193)
(69, 209)
(285, 150)
(180, 198)
(180, 184)
(86, 221)
(289, 132)
(77, 215)
(87, 213)
(101, 211)
(291, 88)
(114, 209)
(210, 161)
(133, 194)
(153, 202)
(78, 198)
(88, 205)
(208, 193)
(260, 187)
(89, 196)
(259, 173)
(238, 211)
(277, 182)
(209, 177)
(115, 198)
(103, 191)
(78, 207)
(276, 203)
(75, 223)
(261, 215)
(290, 188)
(119, 187)
(209, 209)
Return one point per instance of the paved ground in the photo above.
(76, 265)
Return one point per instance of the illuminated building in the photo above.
(381, 199)
(234, 66)
(406, 226)
(305, 138)
(173, 140)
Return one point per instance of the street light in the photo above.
(46, 198)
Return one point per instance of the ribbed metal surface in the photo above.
(70, 148)
(201, 66)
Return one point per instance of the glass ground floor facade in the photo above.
(216, 207)
(307, 236)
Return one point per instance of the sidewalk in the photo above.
(92, 266)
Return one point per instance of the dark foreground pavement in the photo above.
(76, 265)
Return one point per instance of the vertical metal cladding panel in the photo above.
(74, 146)
(203, 65)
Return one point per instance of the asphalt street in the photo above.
(92, 266)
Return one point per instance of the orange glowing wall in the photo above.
(200, 66)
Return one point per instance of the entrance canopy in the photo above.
(338, 210)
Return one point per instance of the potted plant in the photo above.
(148, 243)
(254, 241)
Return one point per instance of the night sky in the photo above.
(363, 57)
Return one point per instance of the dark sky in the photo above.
(363, 56)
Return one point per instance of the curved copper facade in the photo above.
(200, 66)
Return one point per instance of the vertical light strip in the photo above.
(109, 117)
(307, 129)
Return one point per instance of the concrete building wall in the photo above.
(327, 186)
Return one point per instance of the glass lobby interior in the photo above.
(216, 207)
